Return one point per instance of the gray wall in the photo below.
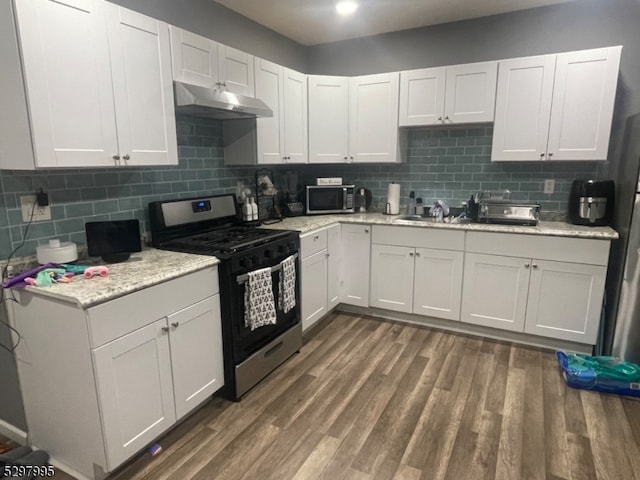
(219, 23)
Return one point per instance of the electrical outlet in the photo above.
(39, 213)
(549, 186)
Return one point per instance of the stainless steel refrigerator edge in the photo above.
(622, 331)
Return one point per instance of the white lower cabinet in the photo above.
(334, 249)
(320, 273)
(495, 291)
(356, 264)
(122, 372)
(314, 288)
(408, 277)
(539, 295)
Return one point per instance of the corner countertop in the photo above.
(144, 269)
(305, 224)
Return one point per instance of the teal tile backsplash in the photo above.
(448, 163)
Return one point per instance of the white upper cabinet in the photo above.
(556, 107)
(328, 119)
(281, 138)
(269, 89)
(583, 96)
(444, 95)
(194, 59)
(294, 115)
(353, 119)
(67, 83)
(200, 61)
(143, 88)
(373, 118)
(92, 86)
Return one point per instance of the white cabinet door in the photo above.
(565, 300)
(391, 284)
(583, 98)
(314, 288)
(235, 70)
(422, 96)
(328, 119)
(194, 59)
(135, 392)
(373, 118)
(142, 83)
(495, 291)
(438, 283)
(356, 264)
(268, 77)
(470, 93)
(65, 56)
(196, 354)
(334, 250)
(523, 108)
(294, 115)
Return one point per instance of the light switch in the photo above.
(549, 185)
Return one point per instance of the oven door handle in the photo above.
(273, 349)
(240, 279)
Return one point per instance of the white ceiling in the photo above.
(311, 22)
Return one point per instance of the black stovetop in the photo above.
(226, 240)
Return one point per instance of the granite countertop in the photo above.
(142, 270)
(309, 223)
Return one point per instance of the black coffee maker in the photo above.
(591, 202)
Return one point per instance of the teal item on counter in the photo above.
(74, 268)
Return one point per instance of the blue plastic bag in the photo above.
(603, 374)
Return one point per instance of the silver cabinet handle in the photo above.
(411, 254)
(175, 324)
(165, 329)
(351, 158)
(550, 154)
(126, 157)
(417, 254)
(439, 118)
(526, 265)
(542, 155)
(116, 157)
(316, 237)
(366, 230)
(346, 158)
(446, 117)
(535, 265)
(326, 254)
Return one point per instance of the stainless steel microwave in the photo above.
(330, 199)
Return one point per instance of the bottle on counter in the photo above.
(419, 206)
(411, 205)
(247, 211)
(254, 209)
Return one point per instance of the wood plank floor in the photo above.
(372, 399)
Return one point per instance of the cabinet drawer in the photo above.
(118, 317)
(564, 249)
(313, 242)
(425, 237)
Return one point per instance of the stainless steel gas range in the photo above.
(210, 226)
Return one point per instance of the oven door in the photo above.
(240, 341)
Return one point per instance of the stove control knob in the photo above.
(267, 254)
(246, 262)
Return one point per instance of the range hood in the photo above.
(214, 103)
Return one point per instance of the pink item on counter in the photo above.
(93, 271)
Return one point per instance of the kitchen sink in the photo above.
(420, 218)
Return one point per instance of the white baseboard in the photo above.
(13, 433)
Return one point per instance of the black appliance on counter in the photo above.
(591, 202)
(211, 226)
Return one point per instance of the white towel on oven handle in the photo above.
(259, 306)
(287, 284)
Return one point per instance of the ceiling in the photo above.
(311, 22)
